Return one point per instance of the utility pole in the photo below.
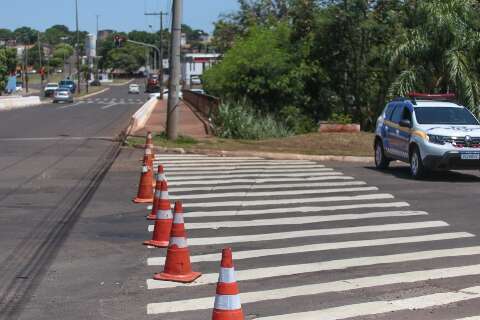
(160, 58)
(97, 76)
(175, 69)
(26, 68)
(77, 48)
(40, 61)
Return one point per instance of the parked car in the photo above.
(134, 88)
(165, 94)
(153, 84)
(63, 94)
(430, 132)
(95, 83)
(199, 91)
(68, 84)
(195, 80)
(50, 89)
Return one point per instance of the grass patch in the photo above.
(337, 144)
(162, 141)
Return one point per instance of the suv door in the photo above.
(393, 131)
(404, 134)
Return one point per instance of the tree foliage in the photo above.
(8, 63)
(346, 56)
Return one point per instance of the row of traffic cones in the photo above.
(169, 232)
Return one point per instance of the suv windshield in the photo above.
(444, 115)
(65, 83)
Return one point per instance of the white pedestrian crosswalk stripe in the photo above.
(296, 269)
(331, 176)
(378, 307)
(252, 203)
(328, 287)
(270, 186)
(286, 219)
(160, 261)
(298, 220)
(316, 233)
(272, 193)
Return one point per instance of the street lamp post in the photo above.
(77, 48)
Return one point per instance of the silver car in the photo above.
(430, 132)
(62, 95)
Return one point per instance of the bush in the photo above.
(241, 121)
(340, 118)
(297, 121)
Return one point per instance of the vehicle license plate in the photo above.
(470, 156)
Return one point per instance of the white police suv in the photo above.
(430, 132)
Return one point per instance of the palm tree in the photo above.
(439, 52)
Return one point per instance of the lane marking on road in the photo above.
(249, 171)
(325, 172)
(173, 190)
(468, 318)
(252, 203)
(332, 176)
(110, 105)
(296, 220)
(71, 105)
(174, 169)
(249, 254)
(294, 210)
(316, 233)
(342, 264)
(249, 194)
(321, 288)
(383, 306)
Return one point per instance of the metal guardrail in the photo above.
(203, 103)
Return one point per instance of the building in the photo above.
(105, 34)
(195, 64)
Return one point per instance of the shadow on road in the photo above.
(403, 172)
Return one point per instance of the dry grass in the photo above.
(339, 144)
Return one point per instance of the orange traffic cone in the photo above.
(227, 300)
(163, 222)
(177, 264)
(149, 149)
(157, 195)
(145, 190)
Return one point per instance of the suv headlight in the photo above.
(439, 139)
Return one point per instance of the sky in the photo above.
(120, 15)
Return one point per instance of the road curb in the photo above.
(140, 118)
(265, 155)
(93, 94)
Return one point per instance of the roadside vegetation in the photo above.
(338, 144)
(302, 61)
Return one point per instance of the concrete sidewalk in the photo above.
(189, 123)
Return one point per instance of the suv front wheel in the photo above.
(381, 162)
(417, 169)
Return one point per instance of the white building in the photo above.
(195, 64)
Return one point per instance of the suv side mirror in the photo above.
(405, 123)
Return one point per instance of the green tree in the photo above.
(54, 34)
(439, 53)
(8, 63)
(128, 58)
(6, 34)
(26, 35)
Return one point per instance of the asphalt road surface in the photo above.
(52, 158)
(311, 241)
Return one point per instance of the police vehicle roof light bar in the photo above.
(428, 96)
